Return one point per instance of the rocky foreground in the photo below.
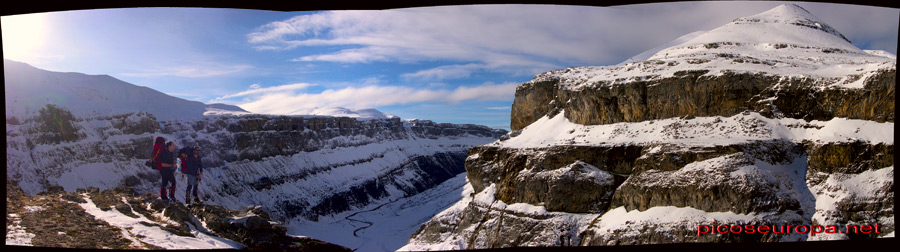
(60, 219)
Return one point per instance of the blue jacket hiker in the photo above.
(192, 167)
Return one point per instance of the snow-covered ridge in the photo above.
(28, 89)
(699, 131)
(117, 144)
(650, 52)
(787, 23)
(345, 112)
(786, 41)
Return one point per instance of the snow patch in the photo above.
(16, 234)
(134, 231)
(700, 131)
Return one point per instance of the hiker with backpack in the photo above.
(192, 167)
(167, 171)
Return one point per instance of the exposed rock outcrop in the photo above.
(292, 166)
(727, 127)
(692, 93)
(57, 219)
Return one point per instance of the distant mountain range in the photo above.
(331, 174)
(29, 88)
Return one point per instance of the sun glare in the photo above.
(22, 34)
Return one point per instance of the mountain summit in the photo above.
(787, 23)
(786, 40)
(770, 120)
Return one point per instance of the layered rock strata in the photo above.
(730, 127)
(294, 166)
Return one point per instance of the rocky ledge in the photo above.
(60, 219)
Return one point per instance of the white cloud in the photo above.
(445, 72)
(499, 35)
(373, 96)
(487, 34)
(192, 71)
(256, 89)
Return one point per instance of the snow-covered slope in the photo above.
(772, 119)
(300, 169)
(701, 131)
(787, 23)
(345, 112)
(28, 89)
(97, 131)
(786, 41)
(652, 51)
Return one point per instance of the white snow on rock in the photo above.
(787, 23)
(15, 234)
(485, 199)
(132, 229)
(378, 227)
(673, 219)
(650, 52)
(863, 187)
(700, 131)
(786, 41)
(345, 112)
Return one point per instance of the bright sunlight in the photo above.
(21, 35)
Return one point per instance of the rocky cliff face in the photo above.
(693, 93)
(292, 166)
(723, 128)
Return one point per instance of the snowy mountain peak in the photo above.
(786, 24)
(369, 113)
(795, 15)
(786, 40)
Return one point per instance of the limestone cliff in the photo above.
(728, 127)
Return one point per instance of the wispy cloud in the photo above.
(373, 96)
(256, 89)
(494, 34)
(445, 72)
(490, 35)
(191, 71)
(499, 108)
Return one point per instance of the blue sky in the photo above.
(456, 64)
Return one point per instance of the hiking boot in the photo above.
(197, 200)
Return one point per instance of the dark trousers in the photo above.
(168, 177)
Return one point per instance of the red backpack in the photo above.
(158, 146)
(184, 153)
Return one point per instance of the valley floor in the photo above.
(382, 226)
